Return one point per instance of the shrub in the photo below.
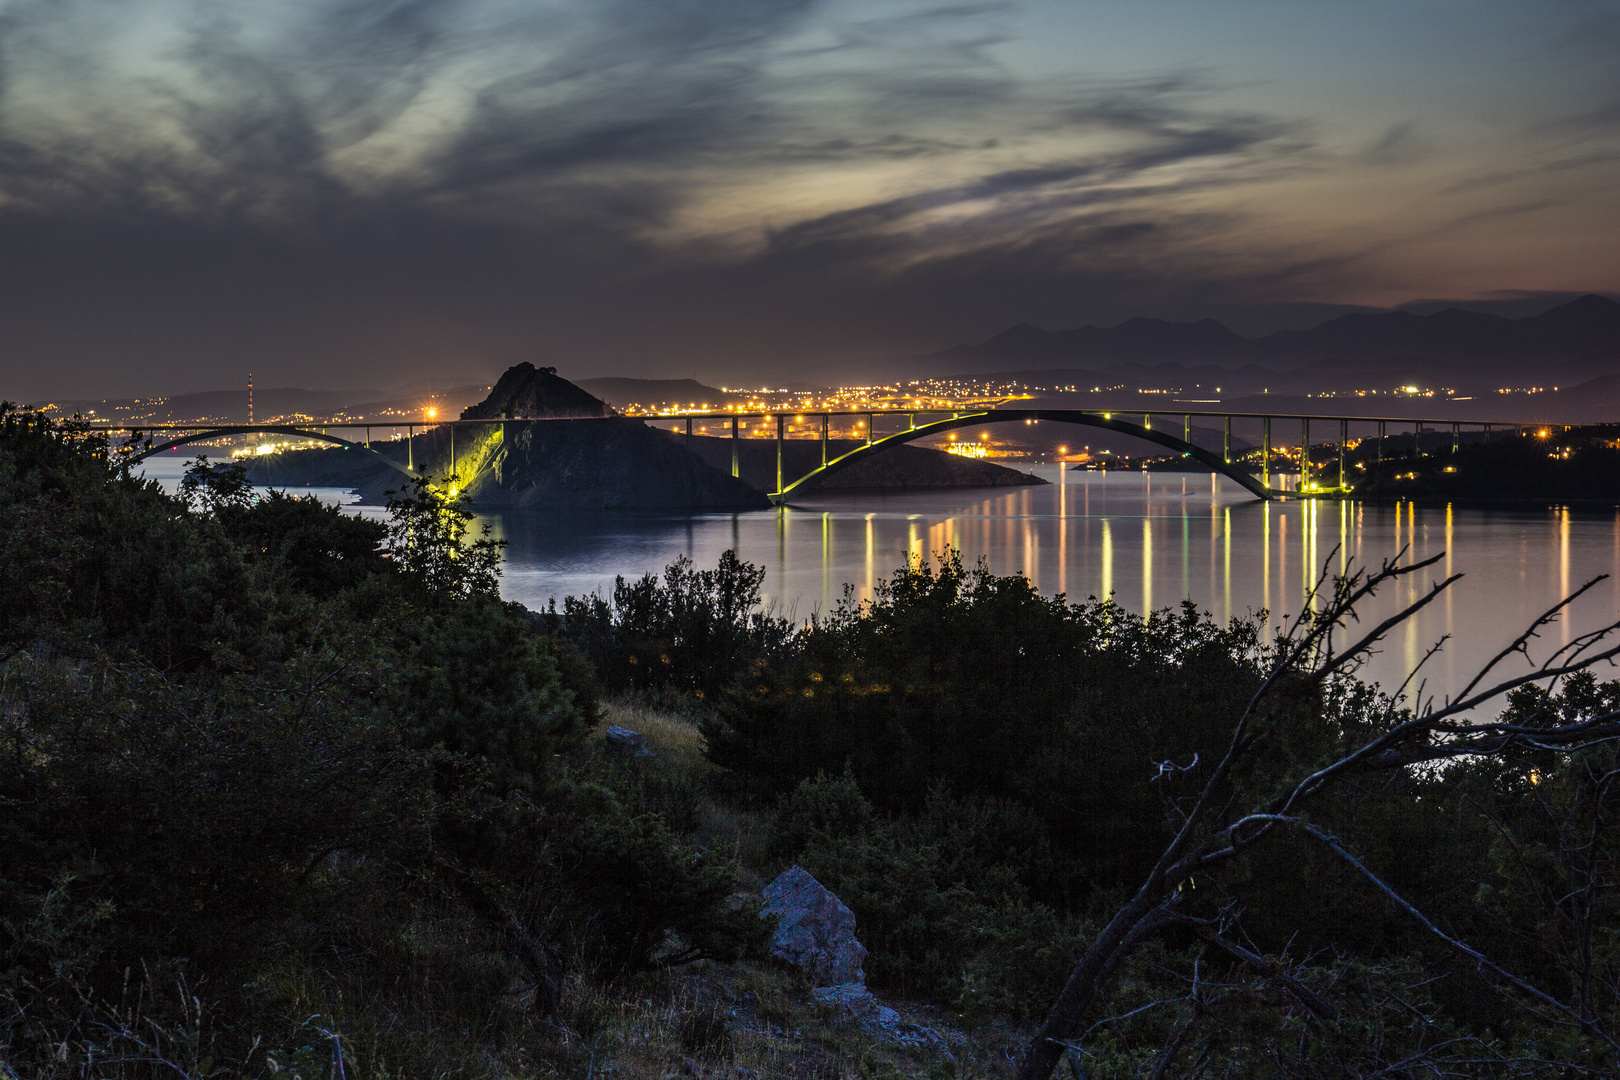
(247, 750)
(694, 632)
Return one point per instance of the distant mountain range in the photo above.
(1585, 329)
(653, 392)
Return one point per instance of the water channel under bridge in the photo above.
(1318, 463)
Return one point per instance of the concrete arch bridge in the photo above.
(180, 436)
(1172, 430)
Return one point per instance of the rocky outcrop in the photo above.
(526, 390)
(815, 932)
(854, 1002)
(610, 463)
(627, 743)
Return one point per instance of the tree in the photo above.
(213, 488)
(1226, 821)
(427, 538)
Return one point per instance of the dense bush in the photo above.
(276, 781)
(940, 896)
(975, 684)
(284, 757)
(692, 633)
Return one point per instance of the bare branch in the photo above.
(1322, 1009)
(1376, 633)
(1521, 643)
(1590, 1027)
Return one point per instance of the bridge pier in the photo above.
(1304, 454)
(1226, 442)
(1344, 437)
(780, 423)
(1265, 452)
(823, 440)
(735, 471)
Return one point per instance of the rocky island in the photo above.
(612, 462)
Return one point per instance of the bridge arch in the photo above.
(268, 429)
(1066, 416)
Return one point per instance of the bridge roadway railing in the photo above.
(934, 422)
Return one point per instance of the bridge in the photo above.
(1155, 427)
(1159, 428)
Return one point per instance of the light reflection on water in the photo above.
(1149, 540)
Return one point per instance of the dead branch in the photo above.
(1305, 650)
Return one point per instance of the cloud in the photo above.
(1400, 144)
(390, 187)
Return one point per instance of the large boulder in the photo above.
(815, 932)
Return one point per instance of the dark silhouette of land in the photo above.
(611, 462)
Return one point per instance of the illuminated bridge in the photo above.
(1315, 477)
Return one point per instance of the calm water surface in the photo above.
(1149, 540)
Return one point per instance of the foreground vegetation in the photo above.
(288, 791)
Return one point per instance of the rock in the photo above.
(527, 391)
(856, 1002)
(621, 740)
(608, 463)
(816, 932)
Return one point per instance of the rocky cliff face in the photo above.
(607, 464)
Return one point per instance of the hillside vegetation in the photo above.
(289, 792)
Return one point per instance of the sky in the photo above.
(360, 194)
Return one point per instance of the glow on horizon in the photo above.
(456, 183)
